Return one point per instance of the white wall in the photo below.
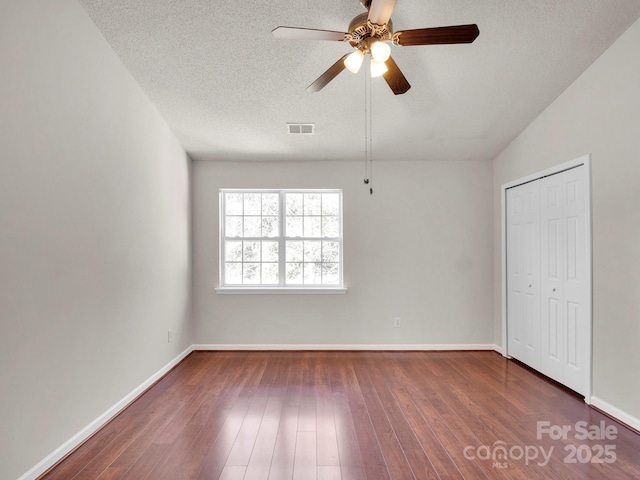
(419, 248)
(598, 114)
(94, 231)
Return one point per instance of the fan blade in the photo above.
(438, 35)
(295, 33)
(380, 11)
(327, 76)
(394, 77)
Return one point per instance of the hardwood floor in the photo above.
(354, 415)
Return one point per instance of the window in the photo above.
(288, 240)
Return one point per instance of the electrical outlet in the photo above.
(169, 336)
(396, 322)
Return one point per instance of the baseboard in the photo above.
(71, 444)
(357, 346)
(616, 413)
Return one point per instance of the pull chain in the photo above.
(368, 141)
(366, 127)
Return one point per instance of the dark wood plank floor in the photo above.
(353, 416)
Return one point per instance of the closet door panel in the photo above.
(575, 280)
(515, 281)
(551, 272)
(523, 272)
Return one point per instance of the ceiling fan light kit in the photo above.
(353, 62)
(378, 68)
(380, 51)
(370, 33)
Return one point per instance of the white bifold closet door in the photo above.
(523, 272)
(547, 280)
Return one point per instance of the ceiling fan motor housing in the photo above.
(361, 30)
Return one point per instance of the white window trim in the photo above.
(296, 289)
(315, 290)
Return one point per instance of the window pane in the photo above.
(250, 273)
(255, 226)
(294, 252)
(312, 226)
(312, 251)
(251, 252)
(269, 251)
(270, 204)
(294, 273)
(330, 204)
(252, 204)
(233, 251)
(269, 226)
(294, 203)
(270, 273)
(233, 204)
(252, 227)
(312, 273)
(312, 204)
(233, 273)
(330, 252)
(294, 227)
(330, 227)
(330, 273)
(233, 226)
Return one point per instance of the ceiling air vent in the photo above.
(301, 128)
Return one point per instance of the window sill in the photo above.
(281, 291)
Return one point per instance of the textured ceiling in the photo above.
(227, 88)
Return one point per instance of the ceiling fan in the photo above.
(369, 33)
